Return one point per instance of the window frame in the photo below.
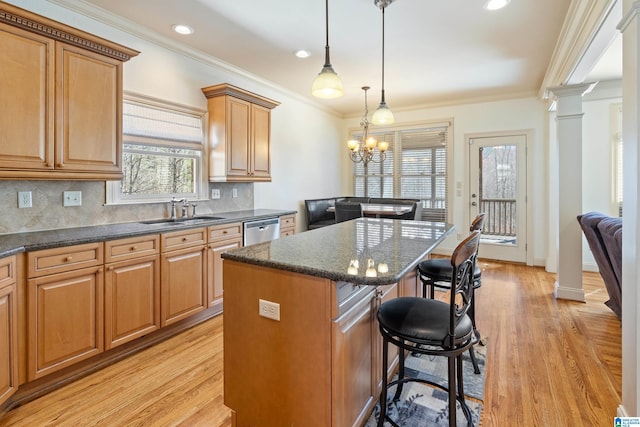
(395, 149)
(114, 196)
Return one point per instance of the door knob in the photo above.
(474, 204)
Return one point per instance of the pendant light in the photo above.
(383, 115)
(327, 84)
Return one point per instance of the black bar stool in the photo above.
(436, 273)
(430, 326)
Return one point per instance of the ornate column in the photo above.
(569, 238)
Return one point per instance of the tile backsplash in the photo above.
(47, 211)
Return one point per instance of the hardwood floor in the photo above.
(550, 363)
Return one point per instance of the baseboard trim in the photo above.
(562, 292)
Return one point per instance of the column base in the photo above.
(563, 292)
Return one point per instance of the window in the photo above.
(415, 167)
(162, 153)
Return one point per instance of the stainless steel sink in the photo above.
(168, 221)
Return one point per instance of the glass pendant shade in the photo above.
(383, 115)
(327, 84)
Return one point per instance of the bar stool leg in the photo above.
(383, 393)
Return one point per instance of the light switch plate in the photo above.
(72, 198)
(215, 193)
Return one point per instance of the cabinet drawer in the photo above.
(225, 232)
(7, 271)
(288, 221)
(134, 247)
(183, 239)
(58, 260)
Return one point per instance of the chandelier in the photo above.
(364, 151)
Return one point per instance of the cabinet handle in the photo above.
(99, 270)
(184, 239)
(110, 268)
(133, 248)
(68, 259)
(224, 232)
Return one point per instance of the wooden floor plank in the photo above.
(549, 363)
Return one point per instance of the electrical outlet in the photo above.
(235, 192)
(24, 199)
(72, 198)
(269, 309)
(215, 193)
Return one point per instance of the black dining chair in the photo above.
(433, 327)
(437, 273)
(347, 210)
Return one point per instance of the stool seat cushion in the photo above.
(440, 270)
(422, 320)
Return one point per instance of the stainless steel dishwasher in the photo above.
(260, 231)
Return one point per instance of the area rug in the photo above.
(423, 405)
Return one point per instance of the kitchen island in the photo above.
(301, 340)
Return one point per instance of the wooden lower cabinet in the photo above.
(183, 285)
(132, 299)
(65, 322)
(8, 330)
(357, 359)
(132, 289)
(221, 238)
(287, 225)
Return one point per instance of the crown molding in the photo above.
(584, 20)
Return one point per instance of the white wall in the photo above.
(597, 161)
(496, 116)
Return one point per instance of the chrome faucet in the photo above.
(185, 207)
(174, 209)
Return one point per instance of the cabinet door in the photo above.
(183, 286)
(88, 111)
(8, 342)
(238, 137)
(214, 281)
(65, 319)
(132, 300)
(26, 100)
(353, 390)
(260, 167)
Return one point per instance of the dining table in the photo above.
(377, 210)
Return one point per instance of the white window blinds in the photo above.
(416, 167)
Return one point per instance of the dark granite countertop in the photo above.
(328, 251)
(30, 241)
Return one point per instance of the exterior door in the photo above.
(497, 187)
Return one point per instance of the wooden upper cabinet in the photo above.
(62, 104)
(89, 111)
(26, 100)
(239, 134)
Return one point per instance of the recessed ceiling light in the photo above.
(302, 53)
(496, 4)
(182, 29)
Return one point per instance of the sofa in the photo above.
(319, 215)
(604, 236)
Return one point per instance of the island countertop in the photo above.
(328, 252)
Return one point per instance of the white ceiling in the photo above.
(437, 52)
